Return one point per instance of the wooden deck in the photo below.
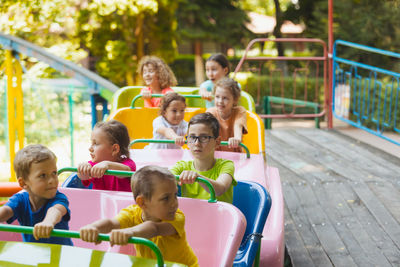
(342, 198)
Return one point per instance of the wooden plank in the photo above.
(372, 237)
(362, 248)
(303, 226)
(322, 226)
(353, 172)
(389, 196)
(379, 211)
(382, 240)
(361, 236)
(372, 163)
(294, 159)
(298, 253)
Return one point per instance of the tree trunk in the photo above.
(277, 29)
(198, 63)
(139, 42)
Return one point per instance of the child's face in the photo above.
(215, 71)
(42, 181)
(202, 150)
(224, 101)
(150, 75)
(175, 112)
(163, 203)
(101, 148)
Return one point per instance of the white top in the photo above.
(160, 121)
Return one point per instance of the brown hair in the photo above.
(221, 60)
(228, 83)
(117, 133)
(165, 76)
(144, 180)
(208, 119)
(168, 98)
(31, 154)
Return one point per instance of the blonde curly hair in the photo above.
(165, 76)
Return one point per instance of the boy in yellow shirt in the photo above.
(154, 216)
(203, 138)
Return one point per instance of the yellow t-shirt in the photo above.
(195, 190)
(174, 248)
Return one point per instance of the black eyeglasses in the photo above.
(203, 139)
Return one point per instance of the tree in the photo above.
(371, 23)
(47, 23)
(118, 33)
(220, 21)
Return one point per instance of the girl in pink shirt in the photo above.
(109, 151)
(159, 78)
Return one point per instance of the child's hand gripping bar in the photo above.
(223, 143)
(212, 199)
(72, 234)
(159, 95)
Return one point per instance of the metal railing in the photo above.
(212, 198)
(72, 234)
(366, 96)
(293, 89)
(157, 141)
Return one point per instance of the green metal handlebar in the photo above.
(212, 199)
(158, 141)
(72, 234)
(159, 95)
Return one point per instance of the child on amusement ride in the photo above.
(109, 151)
(217, 67)
(154, 216)
(203, 138)
(40, 205)
(170, 125)
(231, 117)
(159, 78)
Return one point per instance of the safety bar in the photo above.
(212, 199)
(72, 234)
(223, 143)
(159, 95)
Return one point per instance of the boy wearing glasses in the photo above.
(203, 138)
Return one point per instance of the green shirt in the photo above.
(195, 190)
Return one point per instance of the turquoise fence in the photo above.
(366, 96)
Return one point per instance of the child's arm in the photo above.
(239, 126)
(84, 170)
(171, 135)
(221, 185)
(100, 168)
(205, 94)
(147, 230)
(90, 232)
(53, 216)
(146, 94)
(5, 213)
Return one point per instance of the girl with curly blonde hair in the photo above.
(158, 78)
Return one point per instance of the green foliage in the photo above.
(221, 21)
(46, 113)
(113, 32)
(371, 23)
(311, 90)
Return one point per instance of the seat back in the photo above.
(123, 98)
(255, 138)
(139, 121)
(216, 227)
(255, 202)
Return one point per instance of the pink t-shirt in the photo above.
(154, 101)
(110, 182)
